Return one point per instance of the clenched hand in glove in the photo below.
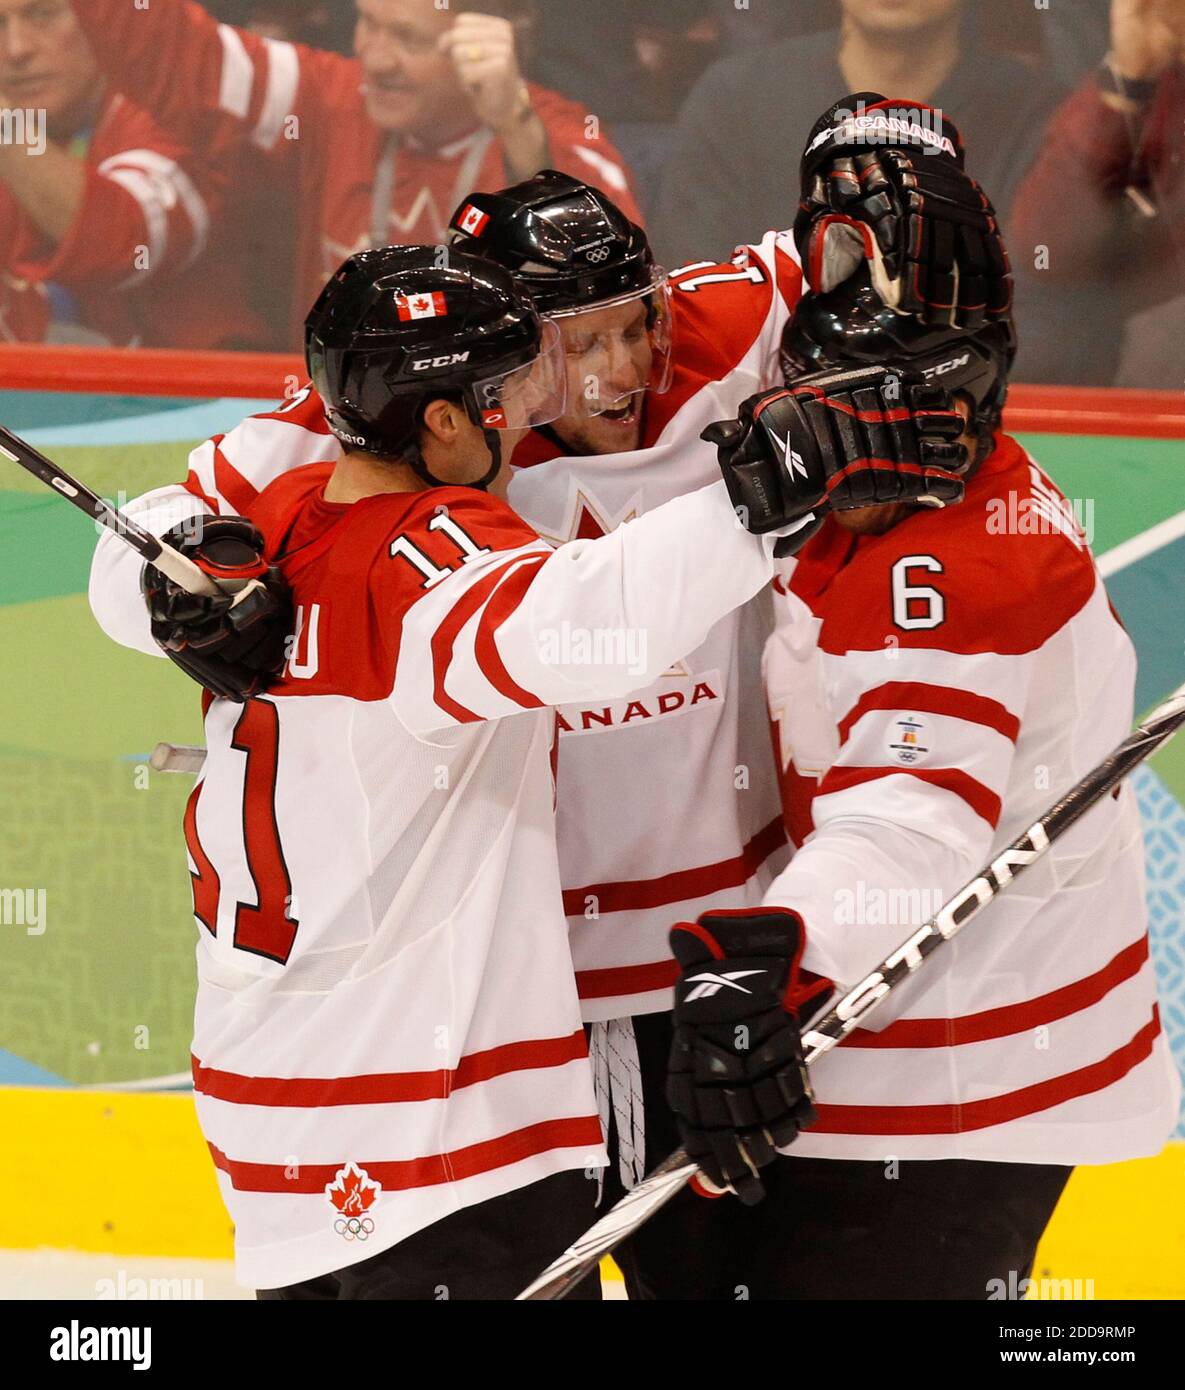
(884, 181)
(235, 643)
(837, 440)
(737, 1082)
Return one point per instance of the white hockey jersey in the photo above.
(387, 1028)
(933, 690)
(668, 802)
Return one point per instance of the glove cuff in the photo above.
(227, 548)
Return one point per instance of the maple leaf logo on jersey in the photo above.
(421, 306)
(353, 1194)
(588, 522)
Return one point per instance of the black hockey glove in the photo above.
(837, 440)
(876, 179)
(234, 644)
(737, 1081)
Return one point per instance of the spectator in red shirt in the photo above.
(1104, 202)
(106, 223)
(373, 150)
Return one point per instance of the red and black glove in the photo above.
(884, 180)
(836, 440)
(235, 643)
(737, 1082)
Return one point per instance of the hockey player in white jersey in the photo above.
(667, 802)
(388, 1058)
(935, 680)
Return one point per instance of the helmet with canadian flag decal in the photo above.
(400, 326)
(579, 256)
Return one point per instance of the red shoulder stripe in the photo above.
(231, 483)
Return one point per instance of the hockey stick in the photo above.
(654, 1191)
(172, 757)
(170, 562)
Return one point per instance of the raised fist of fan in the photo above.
(892, 190)
(737, 1082)
(232, 643)
(838, 440)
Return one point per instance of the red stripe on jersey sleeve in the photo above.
(505, 600)
(193, 484)
(430, 1171)
(932, 699)
(982, 800)
(231, 483)
(1010, 1018)
(994, 1110)
(445, 638)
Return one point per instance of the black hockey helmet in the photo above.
(400, 326)
(576, 252)
(852, 325)
(565, 241)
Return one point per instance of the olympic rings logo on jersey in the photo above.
(353, 1228)
(598, 254)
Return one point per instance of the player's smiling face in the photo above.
(609, 357)
(45, 61)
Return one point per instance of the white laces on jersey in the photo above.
(617, 1082)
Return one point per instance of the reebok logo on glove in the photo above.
(713, 984)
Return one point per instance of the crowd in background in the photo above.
(187, 175)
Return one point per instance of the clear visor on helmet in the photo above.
(531, 395)
(618, 349)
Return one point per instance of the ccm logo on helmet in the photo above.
(426, 364)
(943, 367)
